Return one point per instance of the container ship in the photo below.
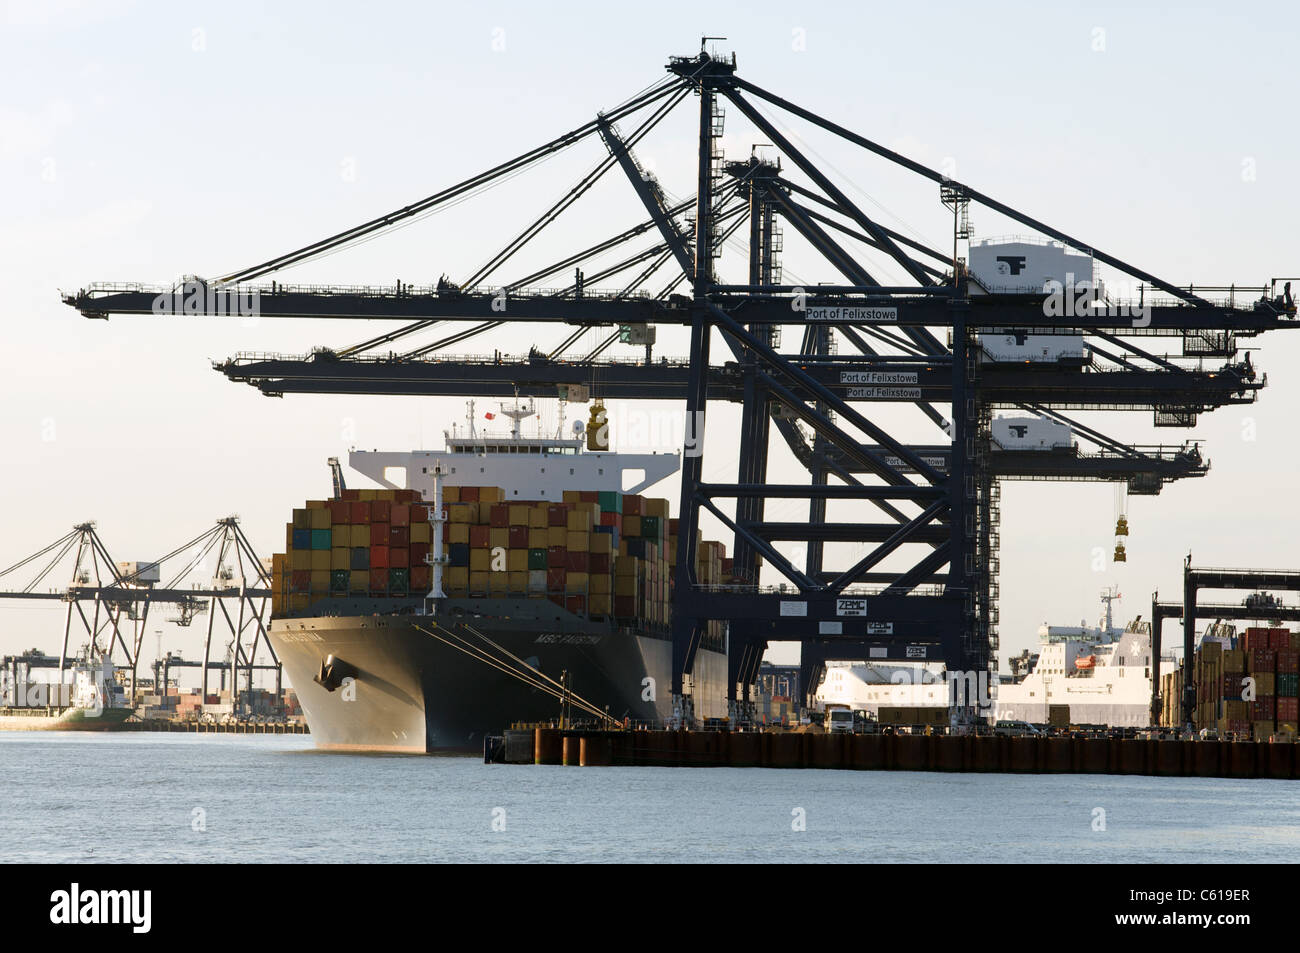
(501, 579)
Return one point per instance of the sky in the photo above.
(145, 141)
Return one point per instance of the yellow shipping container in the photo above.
(451, 494)
(538, 538)
(491, 494)
(320, 561)
(657, 508)
(518, 514)
(300, 560)
(1265, 684)
(517, 560)
(459, 513)
(598, 604)
(518, 581)
(575, 583)
(625, 566)
(458, 576)
(302, 518)
(368, 496)
(480, 560)
(479, 582)
(625, 586)
(288, 536)
(359, 580)
(602, 583)
(340, 558)
(602, 543)
(537, 516)
(421, 532)
(320, 518)
(572, 496)
(499, 537)
(360, 535)
(279, 563)
(457, 533)
(632, 526)
(299, 601)
(556, 536)
(320, 581)
(577, 542)
(579, 520)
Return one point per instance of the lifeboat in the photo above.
(1085, 661)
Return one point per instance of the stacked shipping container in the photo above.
(1247, 687)
(604, 555)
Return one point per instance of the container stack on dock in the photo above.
(600, 554)
(1246, 685)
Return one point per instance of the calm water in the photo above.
(138, 797)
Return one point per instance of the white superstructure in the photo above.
(1103, 673)
(869, 686)
(526, 468)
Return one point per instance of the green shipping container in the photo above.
(339, 580)
(651, 527)
(399, 581)
(321, 539)
(536, 559)
(610, 501)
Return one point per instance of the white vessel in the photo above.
(870, 686)
(92, 701)
(1103, 673)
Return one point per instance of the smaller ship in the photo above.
(91, 701)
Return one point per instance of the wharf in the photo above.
(897, 752)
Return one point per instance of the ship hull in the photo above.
(421, 684)
(75, 719)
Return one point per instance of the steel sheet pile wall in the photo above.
(1246, 687)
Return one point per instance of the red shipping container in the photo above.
(555, 580)
(672, 526)
(588, 496)
(557, 598)
(1232, 686)
(418, 552)
(399, 557)
(612, 519)
(400, 514)
(360, 511)
(557, 514)
(480, 537)
(1262, 661)
(631, 505)
(555, 557)
(399, 535)
(1263, 709)
(519, 537)
(379, 580)
(625, 607)
(499, 515)
(1288, 709)
(379, 557)
(577, 562)
(352, 495)
(380, 510)
(576, 604)
(420, 514)
(469, 494)
(1288, 662)
(421, 579)
(300, 580)
(340, 512)
(1279, 639)
(378, 534)
(598, 562)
